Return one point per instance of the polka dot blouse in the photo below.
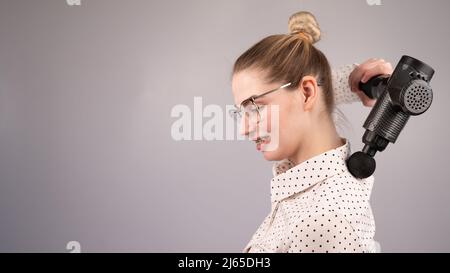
(317, 205)
(342, 93)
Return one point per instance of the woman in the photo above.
(317, 205)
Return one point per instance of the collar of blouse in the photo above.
(289, 180)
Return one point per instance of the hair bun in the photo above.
(304, 23)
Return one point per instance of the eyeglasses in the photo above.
(249, 106)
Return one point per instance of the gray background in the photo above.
(86, 152)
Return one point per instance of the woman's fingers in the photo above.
(366, 101)
(358, 73)
(367, 70)
(383, 68)
(364, 72)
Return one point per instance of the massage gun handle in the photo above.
(372, 87)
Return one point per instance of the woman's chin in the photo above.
(272, 155)
(271, 151)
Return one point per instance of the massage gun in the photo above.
(407, 92)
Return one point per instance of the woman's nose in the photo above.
(248, 125)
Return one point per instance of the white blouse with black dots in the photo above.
(318, 206)
(342, 93)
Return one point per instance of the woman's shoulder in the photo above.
(344, 184)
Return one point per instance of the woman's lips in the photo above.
(260, 141)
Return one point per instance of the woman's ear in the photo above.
(308, 87)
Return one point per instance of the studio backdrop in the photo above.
(90, 92)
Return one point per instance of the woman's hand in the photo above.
(364, 72)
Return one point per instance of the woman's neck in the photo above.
(321, 137)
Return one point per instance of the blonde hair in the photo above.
(289, 57)
(305, 24)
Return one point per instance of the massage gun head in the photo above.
(361, 165)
